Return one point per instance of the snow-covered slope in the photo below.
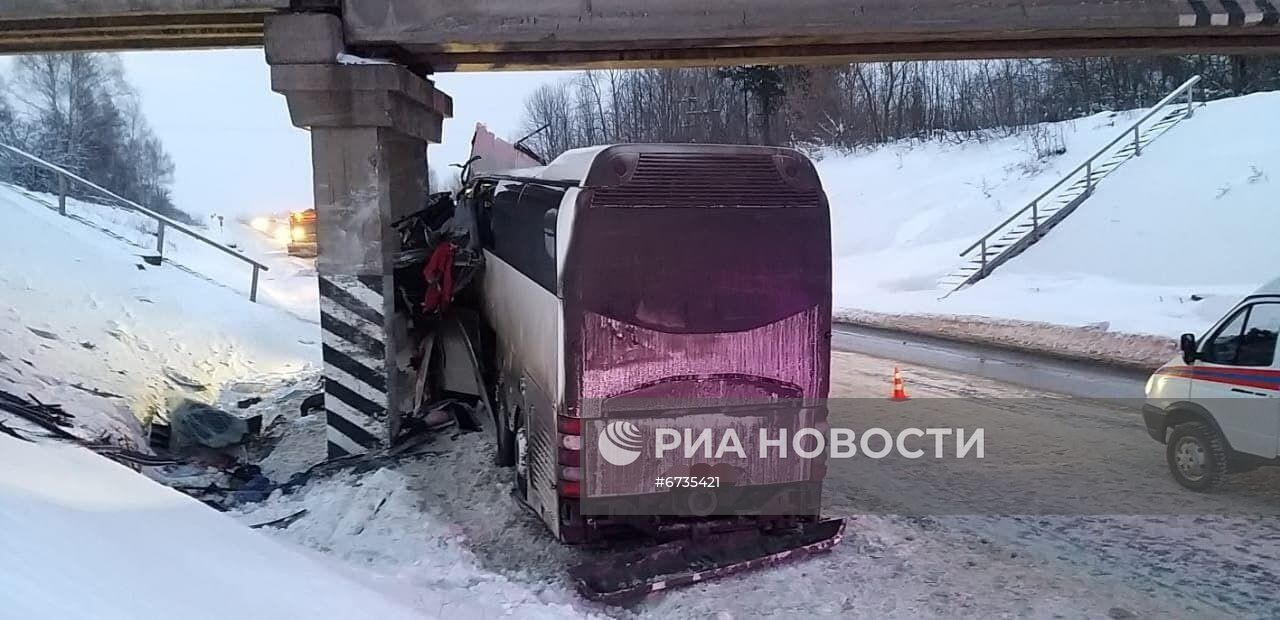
(87, 538)
(1196, 214)
(84, 322)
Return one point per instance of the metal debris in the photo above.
(51, 418)
(282, 522)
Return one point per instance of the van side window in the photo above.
(1248, 339)
(1258, 344)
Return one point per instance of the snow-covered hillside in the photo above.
(87, 324)
(87, 538)
(1196, 214)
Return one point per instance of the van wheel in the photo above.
(1197, 456)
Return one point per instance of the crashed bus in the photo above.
(660, 285)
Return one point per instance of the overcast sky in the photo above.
(236, 151)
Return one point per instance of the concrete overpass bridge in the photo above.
(447, 35)
(371, 123)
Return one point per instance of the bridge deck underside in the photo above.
(440, 35)
(133, 31)
(717, 53)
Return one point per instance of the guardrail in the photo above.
(66, 177)
(1187, 89)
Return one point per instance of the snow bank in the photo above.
(85, 323)
(1089, 343)
(86, 538)
(1150, 253)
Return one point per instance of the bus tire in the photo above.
(505, 453)
(1197, 456)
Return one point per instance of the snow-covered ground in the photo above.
(86, 323)
(87, 538)
(388, 522)
(1196, 214)
(86, 326)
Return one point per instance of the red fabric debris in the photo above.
(438, 274)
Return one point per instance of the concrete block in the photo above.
(383, 96)
(303, 38)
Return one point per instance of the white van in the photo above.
(1217, 406)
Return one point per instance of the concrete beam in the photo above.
(530, 34)
(69, 25)
(67, 9)
(838, 53)
(386, 96)
(447, 35)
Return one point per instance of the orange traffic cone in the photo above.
(899, 389)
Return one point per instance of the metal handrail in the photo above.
(1186, 88)
(161, 221)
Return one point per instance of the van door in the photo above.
(1236, 377)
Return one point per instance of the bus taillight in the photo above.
(570, 488)
(569, 453)
(569, 426)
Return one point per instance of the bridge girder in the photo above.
(73, 25)
(461, 35)
(539, 34)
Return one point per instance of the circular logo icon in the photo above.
(619, 443)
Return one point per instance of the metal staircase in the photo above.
(1032, 222)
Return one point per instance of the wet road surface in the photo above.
(1040, 372)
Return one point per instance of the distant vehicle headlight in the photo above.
(282, 234)
(299, 233)
(260, 224)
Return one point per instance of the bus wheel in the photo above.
(1197, 456)
(522, 460)
(505, 454)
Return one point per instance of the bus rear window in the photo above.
(698, 270)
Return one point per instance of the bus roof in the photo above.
(571, 166)
(575, 165)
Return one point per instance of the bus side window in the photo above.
(521, 215)
(549, 221)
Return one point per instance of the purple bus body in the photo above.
(698, 278)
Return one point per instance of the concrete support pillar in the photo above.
(370, 125)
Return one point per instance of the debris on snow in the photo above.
(197, 424)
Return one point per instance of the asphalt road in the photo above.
(1040, 372)
(1069, 478)
(1071, 514)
